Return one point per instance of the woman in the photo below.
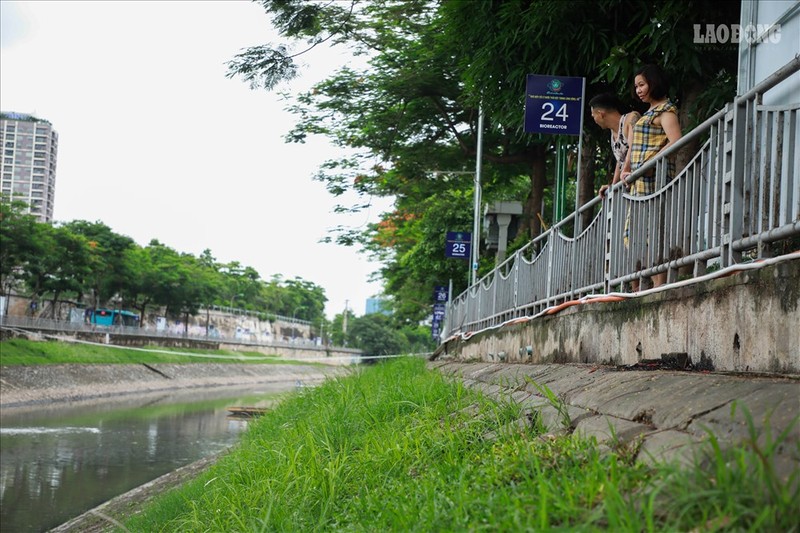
(656, 130)
(609, 113)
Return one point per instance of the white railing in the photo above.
(65, 326)
(738, 194)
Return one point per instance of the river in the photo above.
(58, 462)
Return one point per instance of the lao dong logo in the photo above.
(735, 33)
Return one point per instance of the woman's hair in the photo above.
(656, 79)
(608, 101)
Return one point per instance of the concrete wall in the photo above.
(746, 322)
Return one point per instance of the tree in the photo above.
(60, 263)
(375, 335)
(18, 246)
(138, 290)
(109, 270)
(68, 264)
(213, 282)
(306, 298)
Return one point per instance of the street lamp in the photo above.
(293, 315)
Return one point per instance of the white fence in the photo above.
(66, 326)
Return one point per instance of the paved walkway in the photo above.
(659, 415)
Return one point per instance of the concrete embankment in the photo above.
(31, 385)
(655, 415)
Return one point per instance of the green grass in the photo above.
(27, 352)
(399, 448)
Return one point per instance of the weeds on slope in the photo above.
(398, 448)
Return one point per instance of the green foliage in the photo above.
(18, 241)
(108, 272)
(398, 448)
(90, 263)
(375, 335)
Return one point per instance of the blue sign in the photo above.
(458, 244)
(440, 293)
(553, 105)
(438, 311)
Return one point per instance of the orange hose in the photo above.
(570, 303)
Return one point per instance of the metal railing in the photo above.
(66, 326)
(739, 193)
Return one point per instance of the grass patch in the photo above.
(396, 447)
(27, 352)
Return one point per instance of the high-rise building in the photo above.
(28, 165)
(376, 305)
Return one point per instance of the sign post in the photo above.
(554, 106)
(440, 298)
(458, 244)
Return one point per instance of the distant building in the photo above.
(376, 305)
(28, 165)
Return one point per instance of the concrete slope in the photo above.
(30, 385)
(655, 415)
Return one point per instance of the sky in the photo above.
(156, 142)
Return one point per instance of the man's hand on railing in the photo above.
(604, 189)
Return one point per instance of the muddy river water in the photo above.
(58, 462)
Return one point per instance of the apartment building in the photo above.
(28, 164)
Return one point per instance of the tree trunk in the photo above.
(141, 314)
(586, 186)
(54, 304)
(685, 154)
(533, 205)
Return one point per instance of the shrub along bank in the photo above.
(396, 447)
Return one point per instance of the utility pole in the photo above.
(476, 220)
(344, 322)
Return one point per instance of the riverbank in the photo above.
(27, 386)
(500, 444)
(399, 448)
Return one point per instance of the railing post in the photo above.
(494, 292)
(607, 225)
(733, 156)
(517, 259)
(550, 252)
